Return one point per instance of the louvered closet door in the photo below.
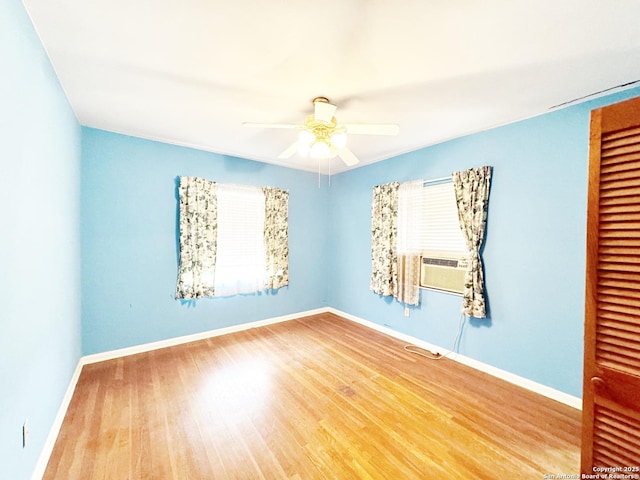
(611, 405)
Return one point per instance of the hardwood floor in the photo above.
(315, 398)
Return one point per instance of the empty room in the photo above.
(319, 240)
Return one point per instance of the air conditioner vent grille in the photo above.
(442, 262)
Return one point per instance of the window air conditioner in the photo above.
(442, 272)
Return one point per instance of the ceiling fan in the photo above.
(321, 136)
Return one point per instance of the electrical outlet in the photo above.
(25, 433)
(406, 311)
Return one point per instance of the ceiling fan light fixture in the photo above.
(305, 137)
(338, 140)
(320, 150)
(304, 149)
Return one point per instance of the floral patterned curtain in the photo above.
(384, 231)
(198, 237)
(276, 237)
(472, 197)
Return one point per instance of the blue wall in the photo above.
(130, 249)
(39, 243)
(534, 249)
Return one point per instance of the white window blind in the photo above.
(240, 256)
(410, 226)
(428, 219)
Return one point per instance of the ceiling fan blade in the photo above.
(289, 151)
(270, 125)
(323, 111)
(372, 128)
(348, 157)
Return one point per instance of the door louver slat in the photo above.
(631, 237)
(622, 150)
(621, 260)
(620, 140)
(620, 225)
(618, 322)
(618, 267)
(611, 454)
(625, 276)
(624, 250)
(619, 363)
(623, 133)
(621, 304)
(630, 163)
(626, 207)
(624, 192)
(611, 286)
(618, 338)
(621, 202)
(620, 423)
(619, 216)
(615, 435)
(609, 355)
(613, 182)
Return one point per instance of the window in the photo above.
(428, 219)
(241, 255)
(233, 239)
(446, 219)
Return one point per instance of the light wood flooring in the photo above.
(315, 398)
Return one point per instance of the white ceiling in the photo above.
(189, 72)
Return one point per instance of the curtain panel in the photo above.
(472, 198)
(408, 286)
(198, 237)
(276, 237)
(410, 204)
(384, 232)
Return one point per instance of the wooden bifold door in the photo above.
(611, 392)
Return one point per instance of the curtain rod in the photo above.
(438, 180)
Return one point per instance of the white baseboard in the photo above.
(50, 442)
(523, 382)
(171, 342)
